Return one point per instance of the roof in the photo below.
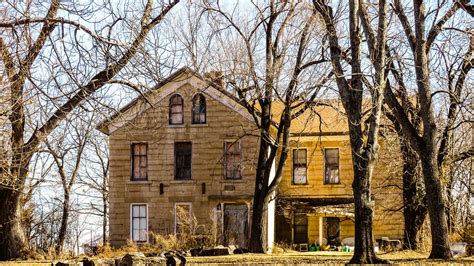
(325, 118)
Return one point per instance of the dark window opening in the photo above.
(139, 161)
(300, 228)
(183, 158)
(199, 109)
(333, 231)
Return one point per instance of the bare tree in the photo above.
(424, 141)
(268, 62)
(31, 37)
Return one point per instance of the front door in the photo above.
(333, 229)
(235, 224)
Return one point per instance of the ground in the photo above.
(292, 258)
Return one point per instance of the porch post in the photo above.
(320, 230)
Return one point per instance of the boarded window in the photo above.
(300, 228)
(232, 160)
(176, 110)
(331, 163)
(182, 218)
(333, 231)
(139, 161)
(183, 158)
(199, 109)
(300, 167)
(139, 223)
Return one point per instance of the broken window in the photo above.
(232, 160)
(176, 110)
(299, 167)
(183, 158)
(139, 161)
(139, 223)
(331, 164)
(300, 228)
(199, 109)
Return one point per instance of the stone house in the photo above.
(189, 146)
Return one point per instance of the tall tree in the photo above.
(268, 65)
(425, 142)
(364, 140)
(26, 47)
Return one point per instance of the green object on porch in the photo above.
(318, 248)
(312, 247)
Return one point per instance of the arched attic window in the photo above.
(176, 110)
(199, 109)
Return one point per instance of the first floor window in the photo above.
(232, 160)
(331, 164)
(182, 218)
(300, 167)
(139, 223)
(300, 226)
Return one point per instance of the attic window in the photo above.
(199, 109)
(176, 110)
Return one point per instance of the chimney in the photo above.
(217, 77)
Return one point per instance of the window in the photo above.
(139, 223)
(182, 218)
(300, 225)
(176, 110)
(232, 160)
(199, 109)
(183, 157)
(333, 231)
(331, 159)
(139, 161)
(299, 167)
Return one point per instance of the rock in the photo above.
(221, 251)
(241, 250)
(133, 259)
(232, 248)
(174, 257)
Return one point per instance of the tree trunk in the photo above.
(64, 223)
(436, 206)
(414, 201)
(12, 237)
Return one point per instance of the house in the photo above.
(189, 145)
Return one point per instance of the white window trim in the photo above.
(338, 166)
(131, 221)
(190, 204)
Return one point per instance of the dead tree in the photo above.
(364, 141)
(425, 143)
(262, 78)
(20, 51)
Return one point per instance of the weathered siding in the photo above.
(207, 140)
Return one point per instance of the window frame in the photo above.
(233, 142)
(305, 226)
(293, 165)
(131, 221)
(175, 161)
(197, 99)
(132, 161)
(176, 204)
(338, 165)
(170, 107)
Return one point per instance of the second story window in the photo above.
(300, 167)
(199, 109)
(331, 165)
(182, 160)
(176, 110)
(139, 153)
(232, 160)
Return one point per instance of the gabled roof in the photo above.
(323, 120)
(185, 73)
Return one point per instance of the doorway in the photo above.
(236, 224)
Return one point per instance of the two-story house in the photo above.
(190, 145)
